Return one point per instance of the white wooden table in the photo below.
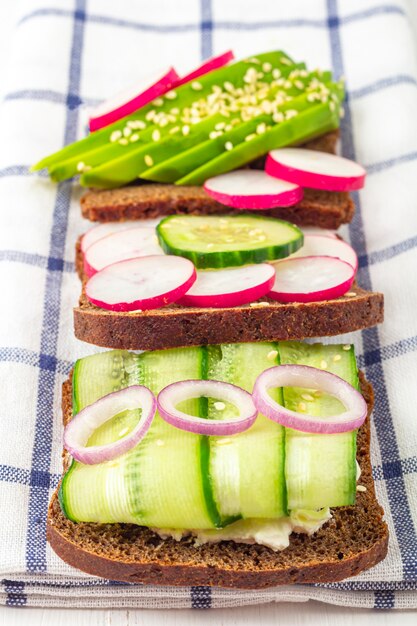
(311, 613)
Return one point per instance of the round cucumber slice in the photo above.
(228, 240)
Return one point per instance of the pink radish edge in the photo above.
(214, 63)
(313, 180)
(158, 88)
(153, 302)
(330, 293)
(230, 299)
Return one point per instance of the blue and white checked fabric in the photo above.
(70, 53)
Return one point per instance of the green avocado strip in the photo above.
(185, 95)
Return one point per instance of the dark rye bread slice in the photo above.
(176, 326)
(355, 539)
(322, 209)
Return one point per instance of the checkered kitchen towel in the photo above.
(68, 53)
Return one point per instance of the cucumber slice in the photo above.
(231, 240)
(151, 484)
(320, 469)
(247, 470)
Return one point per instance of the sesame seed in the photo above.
(299, 84)
(171, 95)
(174, 130)
(332, 106)
(134, 137)
(210, 245)
(336, 358)
(219, 406)
(256, 305)
(148, 160)
(223, 441)
(127, 131)
(278, 118)
(196, 85)
(290, 114)
(261, 128)
(360, 488)
(346, 347)
(116, 135)
(123, 141)
(156, 135)
(185, 129)
(276, 73)
(308, 397)
(158, 102)
(80, 166)
(136, 124)
(150, 115)
(267, 67)
(272, 355)
(285, 61)
(311, 97)
(228, 145)
(250, 137)
(175, 111)
(159, 442)
(220, 125)
(301, 406)
(323, 364)
(351, 294)
(215, 133)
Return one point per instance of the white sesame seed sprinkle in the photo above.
(159, 442)
(148, 160)
(158, 102)
(171, 95)
(350, 294)
(115, 136)
(80, 166)
(323, 364)
(337, 358)
(257, 305)
(174, 130)
(346, 347)
(123, 141)
(219, 406)
(135, 137)
(228, 145)
(156, 135)
(127, 131)
(196, 85)
(272, 355)
(360, 488)
(276, 73)
(267, 67)
(308, 397)
(185, 129)
(301, 406)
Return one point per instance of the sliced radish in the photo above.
(252, 189)
(311, 278)
(133, 98)
(318, 170)
(312, 230)
(103, 230)
(128, 244)
(214, 63)
(230, 287)
(140, 284)
(321, 245)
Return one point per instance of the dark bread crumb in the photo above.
(355, 539)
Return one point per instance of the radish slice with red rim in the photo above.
(321, 245)
(317, 170)
(309, 378)
(129, 243)
(252, 189)
(82, 426)
(103, 230)
(169, 398)
(214, 63)
(145, 283)
(230, 287)
(133, 98)
(311, 278)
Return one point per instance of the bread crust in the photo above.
(176, 326)
(322, 209)
(355, 539)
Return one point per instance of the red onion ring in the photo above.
(173, 394)
(309, 377)
(82, 426)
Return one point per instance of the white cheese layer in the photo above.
(274, 534)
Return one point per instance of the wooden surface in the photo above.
(311, 613)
